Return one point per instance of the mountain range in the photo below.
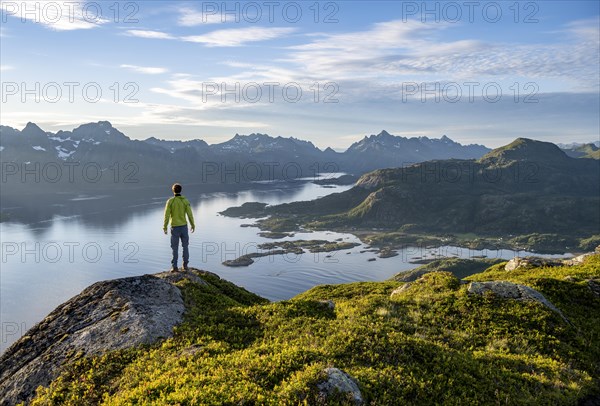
(244, 158)
(524, 187)
(591, 150)
(98, 157)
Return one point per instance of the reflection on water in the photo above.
(45, 262)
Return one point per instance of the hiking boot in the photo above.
(185, 268)
(173, 269)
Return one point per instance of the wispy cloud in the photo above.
(238, 36)
(168, 114)
(220, 38)
(395, 51)
(190, 17)
(149, 34)
(55, 15)
(4, 68)
(149, 70)
(587, 29)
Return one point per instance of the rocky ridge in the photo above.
(107, 316)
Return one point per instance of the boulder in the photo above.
(510, 290)
(534, 262)
(339, 382)
(577, 260)
(401, 289)
(106, 316)
(330, 304)
(594, 285)
(531, 262)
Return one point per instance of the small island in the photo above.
(296, 247)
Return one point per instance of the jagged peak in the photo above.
(32, 127)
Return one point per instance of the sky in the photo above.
(330, 72)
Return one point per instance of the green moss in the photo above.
(432, 344)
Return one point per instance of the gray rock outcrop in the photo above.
(401, 289)
(535, 262)
(594, 286)
(531, 262)
(107, 316)
(510, 290)
(330, 304)
(339, 382)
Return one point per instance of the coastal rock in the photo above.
(509, 290)
(387, 253)
(107, 316)
(339, 382)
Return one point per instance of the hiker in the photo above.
(175, 210)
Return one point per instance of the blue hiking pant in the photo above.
(177, 233)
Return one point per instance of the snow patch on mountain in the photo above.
(63, 153)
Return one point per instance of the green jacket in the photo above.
(175, 210)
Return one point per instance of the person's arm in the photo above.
(188, 211)
(167, 215)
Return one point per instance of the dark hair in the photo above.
(176, 188)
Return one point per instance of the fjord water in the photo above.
(44, 263)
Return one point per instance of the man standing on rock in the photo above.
(175, 211)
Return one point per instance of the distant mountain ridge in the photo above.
(254, 157)
(591, 150)
(524, 187)
(386, 150)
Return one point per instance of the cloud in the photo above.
(390, 53)
(145, 69)
(238, 36)
(4, 68)
(190, 17)
(158, 114)
(56, 15)
(219, 38)
(586, 29)
(149, 34)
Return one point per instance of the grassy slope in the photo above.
(525, 195)
(461, 268)
(431, 344)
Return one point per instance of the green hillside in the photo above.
(429, 343)
(527, 189)
(584, 151)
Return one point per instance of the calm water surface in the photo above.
(46, 262)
